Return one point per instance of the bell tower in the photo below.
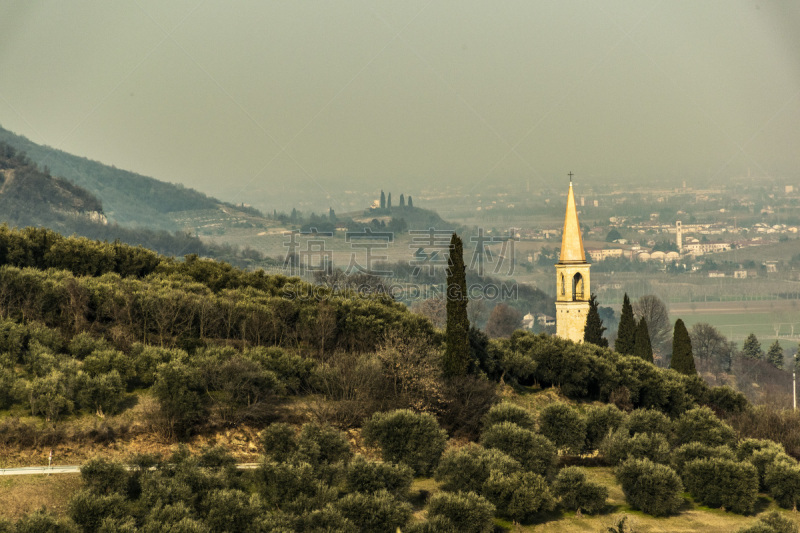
(572, 277)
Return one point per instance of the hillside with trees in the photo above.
(31, 197)
(128, 198)
(361, 415)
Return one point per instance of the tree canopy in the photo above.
(682, 357)
(626, 333)
(593, 331)
(457, 352)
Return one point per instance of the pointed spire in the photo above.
(571, 240)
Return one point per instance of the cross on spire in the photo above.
(570, 176)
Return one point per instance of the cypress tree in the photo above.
(456, 354)
(682, 357)
(383, 200)
(626, 334)
(402, 200)
(389, 201)
(775, 354)
(642, 347)
(593, 331)
(752, 348)
(410, 201)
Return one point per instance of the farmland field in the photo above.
(776, 319)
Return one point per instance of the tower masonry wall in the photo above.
(571, 320)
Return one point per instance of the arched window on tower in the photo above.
(563, 286)
(577, 287)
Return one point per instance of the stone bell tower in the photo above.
(572, 277)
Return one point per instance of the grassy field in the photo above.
(769, 320)
(20, 495)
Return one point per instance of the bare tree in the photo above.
(655, 311)
(435, 309)
(503, 321)
(477, 312)
(712, 351)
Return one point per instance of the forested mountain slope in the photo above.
(128, 198)
(31, 197)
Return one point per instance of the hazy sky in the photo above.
(244, 100)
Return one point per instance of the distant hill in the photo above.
(414, 218)
(30, 197)
(128, 198)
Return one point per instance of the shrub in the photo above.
(103, 476)
(292, 370)
(180, 395)
(620, 446)
(758, 527)
(702, 425)
(696, 450)
(779, 523)
(466, 511)
(230, 510)
(782, 479)
(13, 338)
(323, 445)
(509, 412)
(88, 509)
(727, 400)
(534, 452)
(279, 442)
(83, 344)
(216, 457)
(576, 493)
(116, 525)
(436, 524)
(146, 359)
(648, 421)
(519, 496)
(746, 447)
(375, 513)
(649, 487)
(366, 476)
(325, 520)
(600, 421)
(407, 437)
(722, 482)
(466, 469)
(564, 426)
(765, 457)
(175, 517)
(771, 523)
(292, 488)
(465, 400)
(42, 521)
(104, 361)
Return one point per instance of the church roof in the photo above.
(571, 239)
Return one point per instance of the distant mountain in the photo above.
(128, 198)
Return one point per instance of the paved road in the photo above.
(74, 469)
